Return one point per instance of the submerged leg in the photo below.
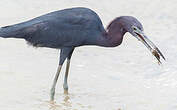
(65, 85)
(52, 91)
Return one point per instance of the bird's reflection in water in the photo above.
(66, 103)
(53, 105)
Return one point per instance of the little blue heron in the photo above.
(70, 28)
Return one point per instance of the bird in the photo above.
(70, 28)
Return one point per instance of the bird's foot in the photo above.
(65, 87)
(66, 91)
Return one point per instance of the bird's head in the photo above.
(135, 28)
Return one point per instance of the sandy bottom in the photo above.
(122, 78)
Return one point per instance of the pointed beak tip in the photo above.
(156, 52)
(164, 58)
(160, 53)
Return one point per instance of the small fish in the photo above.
(156, 54)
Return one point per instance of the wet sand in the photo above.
(126, 77)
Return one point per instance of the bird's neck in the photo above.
(112, 37)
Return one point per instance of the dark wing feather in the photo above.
(70, 27)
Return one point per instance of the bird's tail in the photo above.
(10, 32)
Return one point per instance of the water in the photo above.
(122, 78)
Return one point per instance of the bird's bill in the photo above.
(150, 45)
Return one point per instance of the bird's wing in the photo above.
(55, 29)
(54, 33)
(37, 27)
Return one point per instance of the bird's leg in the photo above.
(52, 91)
(64, 53)
(65, 85)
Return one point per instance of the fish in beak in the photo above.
(148, 43)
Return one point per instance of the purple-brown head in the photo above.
(134, 27)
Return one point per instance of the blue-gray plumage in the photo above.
(73, 27)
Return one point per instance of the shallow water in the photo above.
(122, 78)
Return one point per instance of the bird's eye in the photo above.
(134, 28)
